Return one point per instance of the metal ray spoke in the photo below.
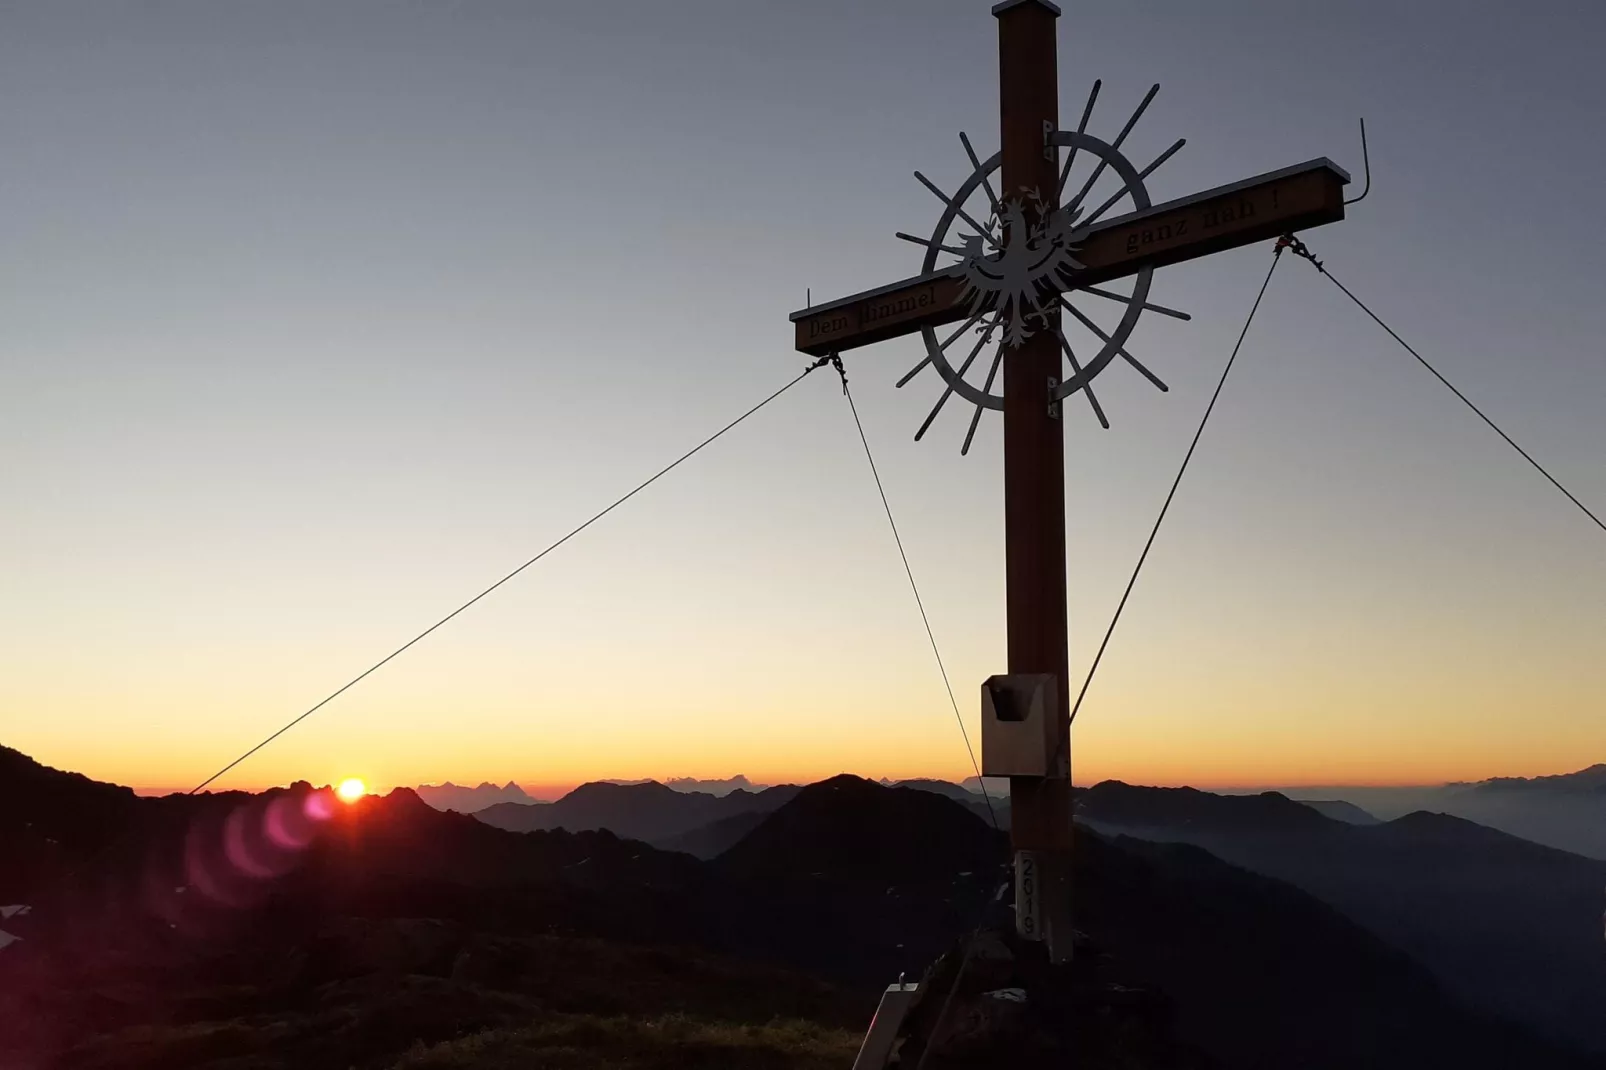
(949, 390)
(1087, 387)
(967, 325)
(1128, 357)
(1081, 128)
(975, 162)
(987, 388)
(1145, 173)
(928, 243)
(1116, 144)
(960, 211)
(1125, 300)
(911, 373)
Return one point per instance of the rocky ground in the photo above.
(373, 994)
(994, 1001)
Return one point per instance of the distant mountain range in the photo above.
(1592, 779)
(1567, 811)
(694, 822)
(650, 812)
(714, 787)
(464, 800)
(1506, 924)
(689, 783)
(170, 932)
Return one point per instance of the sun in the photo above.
(351, 789)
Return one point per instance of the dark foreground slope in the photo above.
(1260, 973)
(175, 933)
(1264, 975)
(716, 837)
(1508, 925)
(855, 880)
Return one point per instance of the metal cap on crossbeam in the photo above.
(999, 9)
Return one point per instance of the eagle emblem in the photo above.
(1034, 261)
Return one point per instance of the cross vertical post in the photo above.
(1034, 468)
(1023, 281)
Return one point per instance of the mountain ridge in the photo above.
(1590, 778)
(1508, 924)
(846, 881)
(648, 811)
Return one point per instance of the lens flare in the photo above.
(288, 824)
(350, 790)
(238, 849)
(320, 805)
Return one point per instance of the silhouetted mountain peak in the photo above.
(604, 789)
(846, 781)
(1432, 819)
(941, 787)
(19, 772)
(851, 828)
(1341, 810)
(1116, 802)
(1447, 832)
(401, 800)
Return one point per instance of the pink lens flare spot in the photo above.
(198, 868)
(288, 824)
(238, 850)
(319, 806)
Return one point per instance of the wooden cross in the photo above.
(1226, 217)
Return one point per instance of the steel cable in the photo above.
(1276, 258)
(354, 681)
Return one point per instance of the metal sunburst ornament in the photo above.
(1016, 271)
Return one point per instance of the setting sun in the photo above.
(351, 790)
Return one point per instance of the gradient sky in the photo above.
(315, 318)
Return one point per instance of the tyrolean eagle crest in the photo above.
(1035, 261)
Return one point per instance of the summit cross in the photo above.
(1027, 223)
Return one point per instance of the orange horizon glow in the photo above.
(547, 790)
(492, 703)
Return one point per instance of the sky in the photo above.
(320, 317)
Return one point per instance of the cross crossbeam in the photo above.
(1226, 217)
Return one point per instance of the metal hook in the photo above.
(1366, 163)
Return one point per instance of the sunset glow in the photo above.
(1358, 583)
(351, 789)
